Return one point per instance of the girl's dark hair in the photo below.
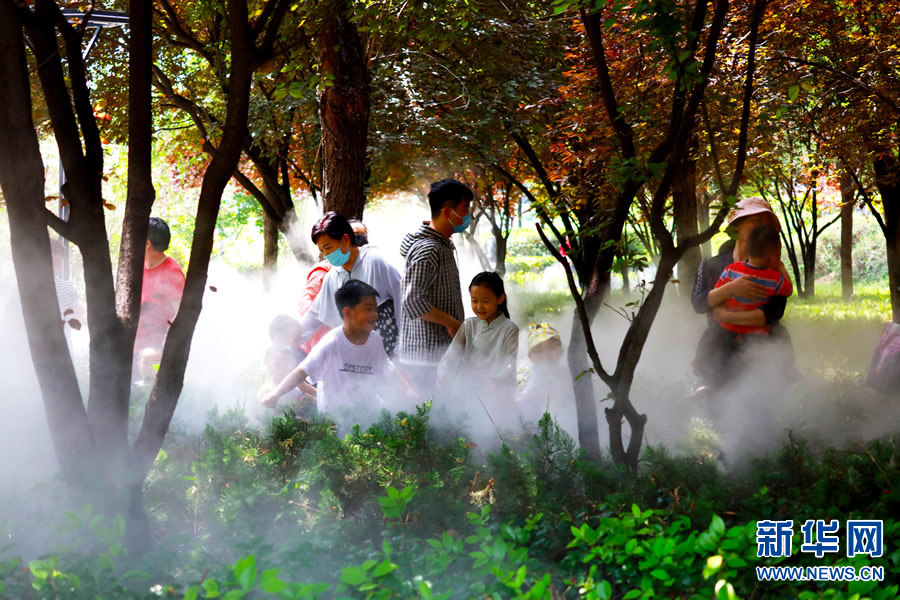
(334, 226)
(493, 282)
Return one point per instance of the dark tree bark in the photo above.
(22, 182)
(245, 58)
(848, 196)
(343, 113)
(92, 445)
(703, 221)
(887, 178)
(270, 251)
(684, 208)
(809, 255)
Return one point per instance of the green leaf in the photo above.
(725, 591)
(604, 590)
(384, 568)
(235, 595)
(425, 589)
(119, 526)
(270, 583)
(353, 576)
(211, 587)
(632, 594)
(245, 572)
(636, 511)
(717, 526)
(793, 92)
(659, 574)
(191, 593)
(713, 564)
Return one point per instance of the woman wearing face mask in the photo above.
(338, 243)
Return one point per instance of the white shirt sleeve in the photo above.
(314, 364)
(455, 354)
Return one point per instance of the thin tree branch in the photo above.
(582, 311)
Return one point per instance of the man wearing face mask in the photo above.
(432, 298)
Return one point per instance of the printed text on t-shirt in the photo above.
(358, 369)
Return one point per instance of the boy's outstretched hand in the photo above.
(269, 400)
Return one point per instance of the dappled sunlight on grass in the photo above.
(869, 302)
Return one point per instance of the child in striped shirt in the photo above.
(719, 343)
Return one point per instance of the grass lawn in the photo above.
(837, 338)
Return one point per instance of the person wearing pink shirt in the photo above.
(161, 290)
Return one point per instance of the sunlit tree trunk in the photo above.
(848, 193)
(703, 221)
(270, 251)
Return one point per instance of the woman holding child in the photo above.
(336, 240)
(741, 294)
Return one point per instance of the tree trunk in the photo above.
(500, 256)
(703, 220)
(848, 195)
(629, 355)
(22, 183)
(140, 193)
(684, 206)
(626, 282)
(270, 251)
(809, 270)
(344, 113)
(580, 370)
(170, 378)
(809, 253)
(887, 173)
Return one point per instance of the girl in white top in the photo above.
(481, 360)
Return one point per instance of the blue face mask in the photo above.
(338, 258)
(465, 222)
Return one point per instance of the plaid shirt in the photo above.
(431, 281)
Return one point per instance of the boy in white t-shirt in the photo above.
(349, 362)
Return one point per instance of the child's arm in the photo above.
(728, 286)
(453, 357)
(291, 381)
(308, 389)
(755, 317)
